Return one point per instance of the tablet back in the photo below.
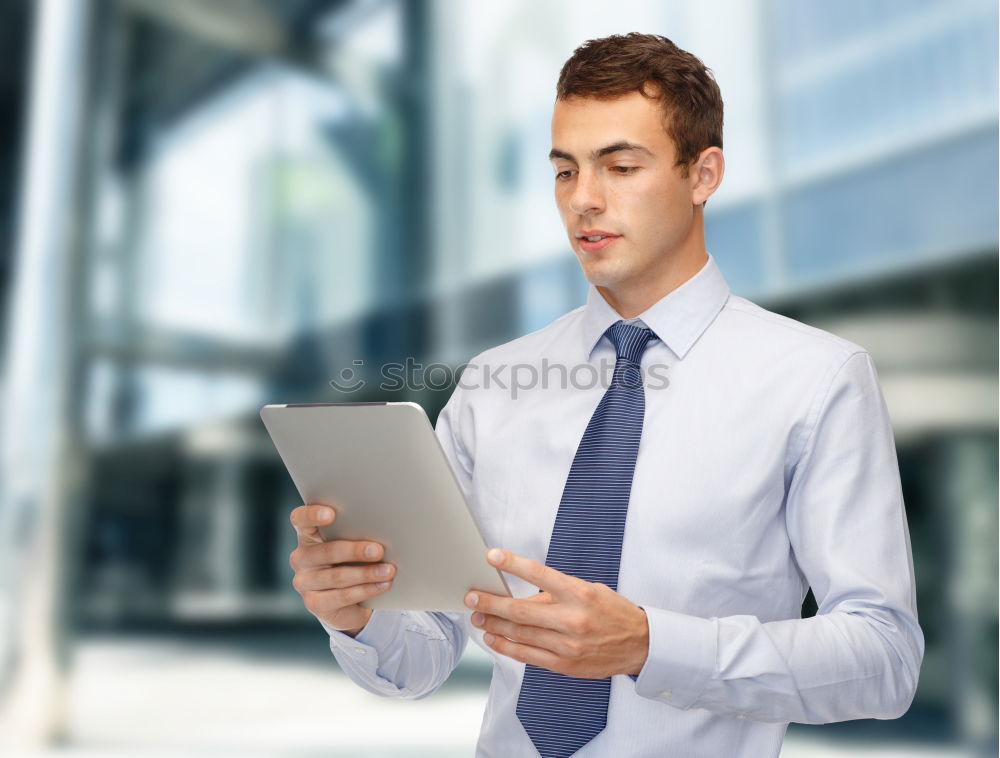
(381, 467)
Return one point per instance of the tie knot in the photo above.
(630, 340)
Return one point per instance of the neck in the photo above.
(630, 299)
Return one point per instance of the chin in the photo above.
(601, 275)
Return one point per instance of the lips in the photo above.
(592, 240)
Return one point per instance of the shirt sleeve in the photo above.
(404, 654)
(409, 654)
(860, 655)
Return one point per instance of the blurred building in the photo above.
(255, 197)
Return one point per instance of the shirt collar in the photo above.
(678, 318)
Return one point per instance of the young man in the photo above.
(660, 533)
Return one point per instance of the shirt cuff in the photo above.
(681, 659)
(378, 633)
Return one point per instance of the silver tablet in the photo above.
(380, 466)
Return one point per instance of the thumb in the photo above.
(307, 519)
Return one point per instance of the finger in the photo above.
(521, 652)
(308, 518)
(540, 597)
(544, 639)
(338, 551)
(519, 610)
(322, 602)
(537, 573)
(340, 577)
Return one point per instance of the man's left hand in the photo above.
(573, 627)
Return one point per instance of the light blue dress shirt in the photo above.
(767, 465)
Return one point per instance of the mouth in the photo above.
(592, 240)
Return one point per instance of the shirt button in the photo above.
(360, 650)
(740, 716)
(667, 693)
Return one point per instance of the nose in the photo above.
(587, 197)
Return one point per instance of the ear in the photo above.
(706, 174)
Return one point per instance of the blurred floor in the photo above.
(281, 694)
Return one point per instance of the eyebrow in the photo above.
(601, 152)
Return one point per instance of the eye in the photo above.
(625, 170)
(562, 176)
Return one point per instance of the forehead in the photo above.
(583, 124)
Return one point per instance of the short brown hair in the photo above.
(654, 66)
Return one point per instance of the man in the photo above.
(659, 534)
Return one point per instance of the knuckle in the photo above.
(298, 582)
(294, 558)
(356, 593)
(588, 591)
(339, 599)
(350, 552)
(574, 649)
(333, 552)
(311, 602)
(338, 551)
(370, 590)
(521, 633)
(577, 623)
(336, 576)
(538, 573)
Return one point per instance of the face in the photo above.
(615, 179)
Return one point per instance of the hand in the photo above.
(326, 576)
(573, 627)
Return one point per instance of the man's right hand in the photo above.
(327, 575)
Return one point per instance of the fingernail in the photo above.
(383, 570)
(324, 514)
(488, 638)
(478, 618)
(372, 551)
(382, 585)
(471, 599)
(495, 556)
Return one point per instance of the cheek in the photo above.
(666, 206)
(662, 223)
(645, 209)
(642, 198)
(562, 202)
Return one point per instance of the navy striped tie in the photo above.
(561, 714)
